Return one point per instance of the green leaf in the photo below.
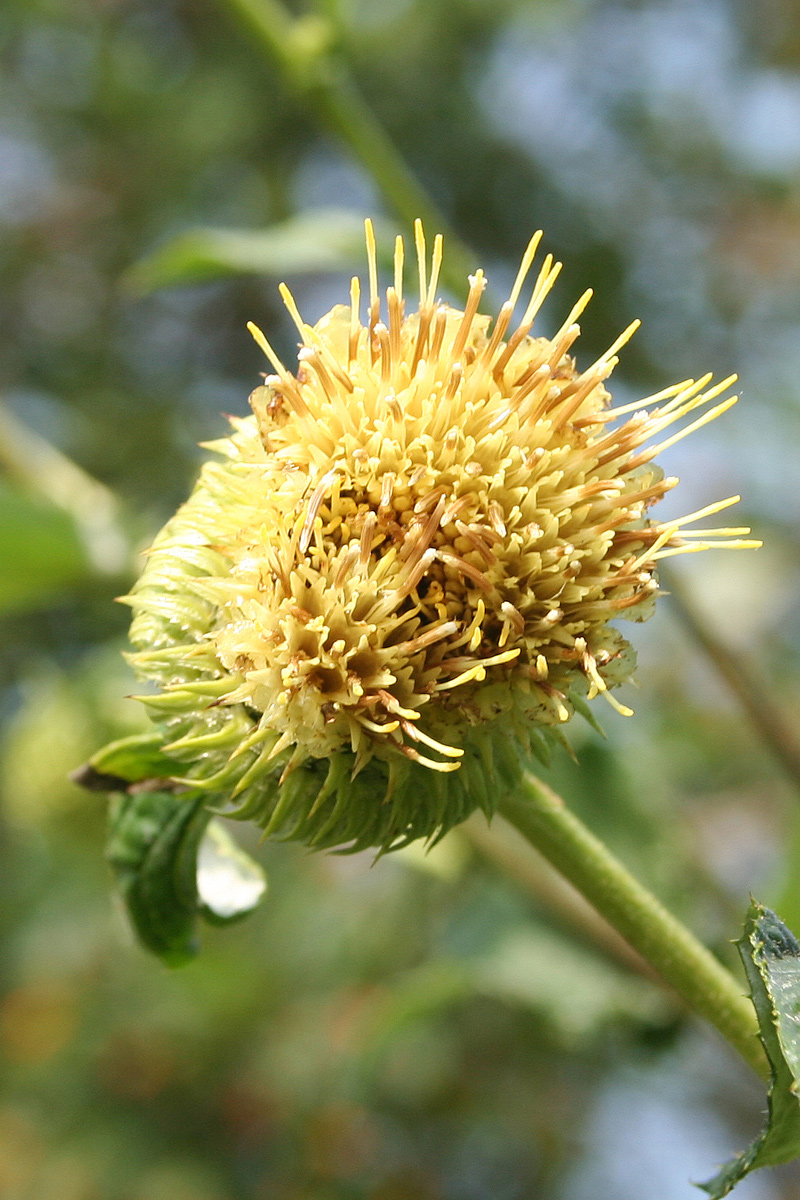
(771, 956)
(152, 849)
(168, 873)
(317, 240)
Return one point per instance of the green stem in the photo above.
(667, 945)
(303, 49)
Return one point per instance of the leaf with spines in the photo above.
(771, 956)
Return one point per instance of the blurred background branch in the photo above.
(742, 675)
(30, 461)
(504, 846)
(306, 50)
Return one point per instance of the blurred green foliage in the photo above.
(43, 544)
(397, 1030)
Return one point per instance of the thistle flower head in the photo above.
(403, 570)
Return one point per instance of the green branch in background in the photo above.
(742, 677)
(501, 844)
(304, 50)
(60, 529)
(316, 240)
(695, 974)
(34, 464)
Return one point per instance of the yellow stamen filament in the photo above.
(696, 547)
(424, 640)
(264, 345)
(291, 307)
(372, 266)
(355, 320)
(395, 307)
(472, 675)
(436, 266)
(730, 531)
(709, 511)
(314, 505)
(422, 266)
(394, 706)
(544, 285)
(375, 727)
(477, 283)
(711, 415)
(524, 268)
(648, 555)
(590, 667)
(382, 334)
(466, 568)
(574, 313)
(367, 534)
(399, 255)
(623, 338)
(417, 734)
(500, 327)
(431, 763)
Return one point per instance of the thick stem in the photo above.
(667, 945)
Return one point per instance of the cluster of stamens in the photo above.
(436, 511)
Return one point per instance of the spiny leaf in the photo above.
(771, 956)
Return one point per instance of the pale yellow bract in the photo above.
(425, 529)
